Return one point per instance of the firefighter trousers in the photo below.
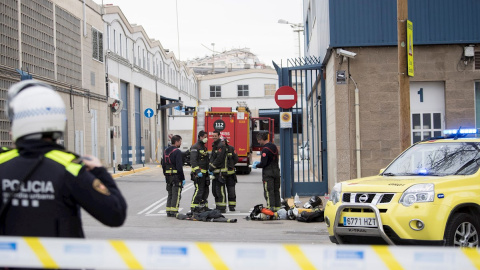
(231, 181)
(174, 189)
(271, 192)
(200, 195)
(218, 190)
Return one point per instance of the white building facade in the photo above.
(255, 87)
(151, 83)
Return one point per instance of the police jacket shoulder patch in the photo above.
(100, 187)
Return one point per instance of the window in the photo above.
(126, 47)
(426, 125)
(148, 61)
(270, 89)
(477, 60)
(97, 40)
(215, 91)
(115, 41)
(108, 37)
(120, 44)
(138, 57)
(242, 90)
(477, 104)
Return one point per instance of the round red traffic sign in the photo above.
(286, 97)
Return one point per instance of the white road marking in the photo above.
(162, 202)
(154, 206)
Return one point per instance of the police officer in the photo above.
(43, 185)
(270, 172)
(230, 176)
(172, 163)
(218, 164)
(199, 162)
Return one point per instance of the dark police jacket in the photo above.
(172, 162)
(48, 203)
(199, 158)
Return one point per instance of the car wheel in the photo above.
(462, 231)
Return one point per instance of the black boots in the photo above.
(172, 214)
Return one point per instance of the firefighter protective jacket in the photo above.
(232, 159)
(172, 162)
(269, 156)
(199, 157)
(218, 160)
(47, 204)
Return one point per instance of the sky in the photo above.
(229, 24)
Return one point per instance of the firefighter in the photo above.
(172, 163)
(43, 185)
(230, 176)
(199, 162)
(218, 165)
(270, 171)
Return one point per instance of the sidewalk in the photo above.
(136, 168)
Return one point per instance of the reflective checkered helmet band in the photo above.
(34, 107)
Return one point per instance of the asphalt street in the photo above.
(146, 197)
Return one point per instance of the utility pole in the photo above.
(213, 58)
(403, 79)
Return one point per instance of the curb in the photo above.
(120, 174)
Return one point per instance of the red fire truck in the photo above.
(238, 127)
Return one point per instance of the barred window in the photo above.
(242, 90)
(215, 91)
(97, 38)
(270, 89)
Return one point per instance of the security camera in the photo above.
(346, 53)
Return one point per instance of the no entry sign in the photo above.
(286, 97)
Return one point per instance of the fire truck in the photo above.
(238, 127)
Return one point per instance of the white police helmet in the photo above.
(35, 108)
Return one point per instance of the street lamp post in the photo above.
(297, 27)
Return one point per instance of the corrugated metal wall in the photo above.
(373, 22)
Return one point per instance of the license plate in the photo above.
(359, 222)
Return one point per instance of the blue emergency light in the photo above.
(422, 171)
(460, 131)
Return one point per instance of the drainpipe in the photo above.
(357, 130)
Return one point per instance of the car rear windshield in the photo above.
(441, 159)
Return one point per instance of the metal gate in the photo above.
(303, 147)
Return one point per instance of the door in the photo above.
(138, 127)
(124, 117)
(427, 109)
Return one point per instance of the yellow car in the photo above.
(429, 195)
